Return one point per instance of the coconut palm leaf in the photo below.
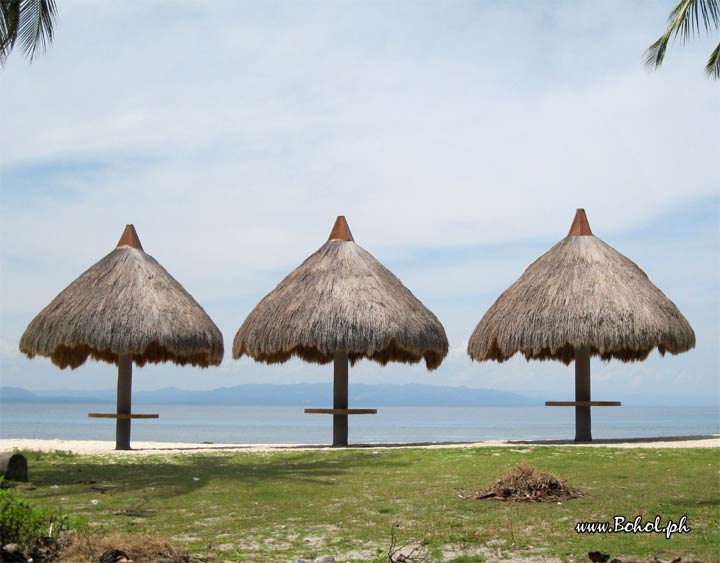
(27, 22)
(687, 20)
(655, 54)
(9, 18)
(712, 68)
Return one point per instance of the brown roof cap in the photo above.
(129, 238)
(340, 230)
(580, 226)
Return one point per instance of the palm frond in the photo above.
(712, 68)
(687, 20)
(36, 25)
(711, 14)
(655, 54)
(690, 16)
(681, 20)
(9, 19)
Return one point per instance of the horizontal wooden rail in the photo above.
(340, 411)
(121, 416)
(583, 403)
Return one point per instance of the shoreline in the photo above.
(103, 447)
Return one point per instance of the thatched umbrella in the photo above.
(341, 305)
(126, 308)
(582, 298)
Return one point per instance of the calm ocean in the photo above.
(258, 424)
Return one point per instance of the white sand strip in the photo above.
(90, 447)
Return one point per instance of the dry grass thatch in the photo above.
(341, 298)
(127, 303)
(582, 292)
(147, 548)
(524, 483)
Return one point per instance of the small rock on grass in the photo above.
(12, 552)
(325, 559)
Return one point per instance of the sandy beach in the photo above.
(97, 447)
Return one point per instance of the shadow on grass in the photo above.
(183, 474)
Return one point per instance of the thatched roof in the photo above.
(126, 303)
(582, 292)
(341, 299)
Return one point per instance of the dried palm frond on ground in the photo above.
(524, 483)
(140, 549)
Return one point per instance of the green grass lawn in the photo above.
(283, 506)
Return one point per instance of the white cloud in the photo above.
(8, 350)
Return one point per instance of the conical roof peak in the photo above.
(129, 238)
(580, 226)
(341, 298)
(341, 230)
(578, 295)
(124, 304)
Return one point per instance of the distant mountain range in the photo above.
(298, 394)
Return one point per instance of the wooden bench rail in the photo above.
(340, 411)
(121, 416)
(583, 403)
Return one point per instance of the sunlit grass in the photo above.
(287, 505)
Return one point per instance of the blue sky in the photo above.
(457, 137)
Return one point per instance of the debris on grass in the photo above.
(140, 549)
(115, 556)
(411, 552)
(524, 483)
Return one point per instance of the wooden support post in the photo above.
(582, 393)
(340, 398)
(124, 392)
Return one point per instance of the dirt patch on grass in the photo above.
(524, 483)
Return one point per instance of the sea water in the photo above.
(289, 425)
